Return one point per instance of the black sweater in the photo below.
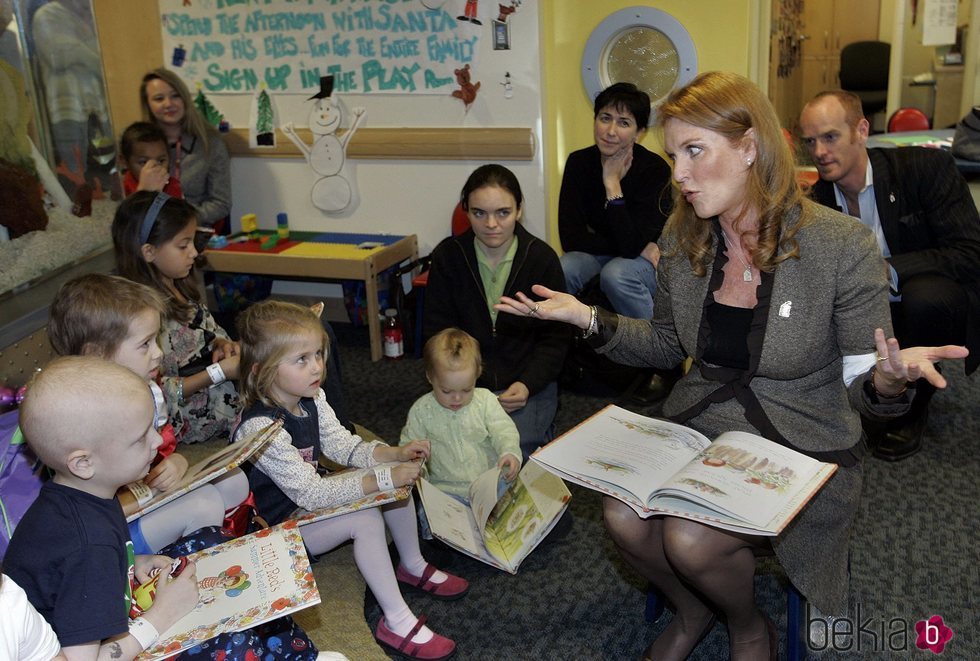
(587, 224)
(516, 348)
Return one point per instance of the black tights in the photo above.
(701, 570)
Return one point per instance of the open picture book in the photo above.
(739, 481)
(498, 531)
(243, 583)
(138, 498)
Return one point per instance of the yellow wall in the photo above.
(720, 30)
(123, 64)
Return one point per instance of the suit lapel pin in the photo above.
(785, 309)
(891, 198)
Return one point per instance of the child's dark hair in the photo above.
(92, 313)
(451, 349)
(491, 175)
(128, 240)
(139, 132)
(268, 332)
(625, 97)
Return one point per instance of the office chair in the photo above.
(908, 119)
(864, 71)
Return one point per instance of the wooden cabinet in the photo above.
(828, 26)
(819, 74)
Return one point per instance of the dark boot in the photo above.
(901, 438)
(651, 388)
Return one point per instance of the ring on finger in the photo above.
(882, 358)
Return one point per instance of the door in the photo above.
(785, 57)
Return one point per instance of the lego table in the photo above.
(321, 256)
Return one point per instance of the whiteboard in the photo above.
(400, 197)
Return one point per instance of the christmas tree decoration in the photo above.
(263, 121)
(207, 109)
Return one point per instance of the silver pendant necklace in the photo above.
(747, 273)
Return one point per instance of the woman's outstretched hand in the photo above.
(897, 366)
(553, 306)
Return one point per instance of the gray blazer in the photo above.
(824, 305)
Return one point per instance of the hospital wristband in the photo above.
(144, 632)
(383, 476)
(217, 374)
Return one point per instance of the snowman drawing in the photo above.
(326, 156)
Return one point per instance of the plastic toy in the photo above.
(217, 242)
(269, 242)
(144, 594)
(282, 225)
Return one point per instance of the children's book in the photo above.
(243, 583)
(739, 481)
(375, 499)
(138, 498)
(498, 531)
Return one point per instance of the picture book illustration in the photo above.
(502, 531)
(758, 470)
(739, 481)
(243, 583)
(138, 498)
(674, 436)
(229, 583)
(610, 465)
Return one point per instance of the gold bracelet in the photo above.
(901, 392)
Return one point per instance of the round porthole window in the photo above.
(641, 45)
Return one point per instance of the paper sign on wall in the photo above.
(369, 46)
(939, 23)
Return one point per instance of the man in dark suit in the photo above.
(920, 210)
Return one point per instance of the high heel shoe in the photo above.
(648, 652)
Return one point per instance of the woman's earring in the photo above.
(748, 161)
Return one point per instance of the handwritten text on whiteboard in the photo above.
(370, 46)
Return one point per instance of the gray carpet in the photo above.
(913, 554)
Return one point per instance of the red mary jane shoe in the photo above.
(453, 587)
(437, 649)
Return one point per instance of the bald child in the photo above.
(92, 423)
